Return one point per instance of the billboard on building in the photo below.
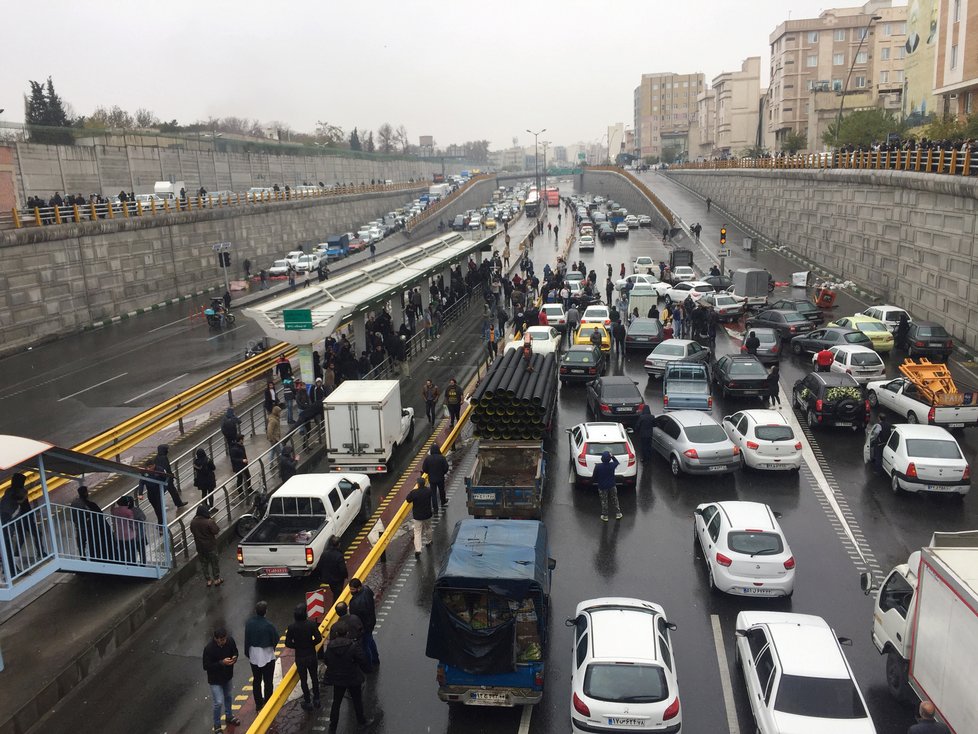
(919, 100)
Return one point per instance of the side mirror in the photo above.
(671, 626)
(866, 582)
(551, 563)
(845, 641)
(740, 633)
(567, 430)
(570, 622)
(777, 515)
(698, 511)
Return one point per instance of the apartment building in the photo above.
(616, 140)
(737, 96)
(956, 67)
(702, 134)
(665, 108)
(812, 59)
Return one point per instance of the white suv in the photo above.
(589, 440)
(624, 668)
(745, 551)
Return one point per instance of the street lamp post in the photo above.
(545, 144)
(845, 88)
(536, 170)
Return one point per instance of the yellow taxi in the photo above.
(490, 222)
(583, 336)
(875, 329)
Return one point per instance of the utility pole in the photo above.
(536, 169)
(845, 88)
(545, 144)
(223, 250)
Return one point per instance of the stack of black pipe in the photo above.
(515, 400)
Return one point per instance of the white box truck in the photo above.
(439, 191)
(365, 424)
(925, 621)
(169, 190)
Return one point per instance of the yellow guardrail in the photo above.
(665, 211)
(266, 717)
(956, 162)
(442, 204)
(131, 432)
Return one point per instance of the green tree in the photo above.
(947, 128)
(355, 140)
(45, 113)
(862, 128)
(793, 142)
(754, 151)
(369, 147)
(56, 116)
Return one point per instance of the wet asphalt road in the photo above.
(649, 554)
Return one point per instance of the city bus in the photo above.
(553, 196)
(532, 206)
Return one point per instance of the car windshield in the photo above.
(710, 433)
(931, 331)
(826, 698)
(856, 338)
(774, 433)
(805, 307)
(540, 335)
(703, 289)
(625, 683)
(579, 357)
(793, 317)
(866, 359)
(747, 369)
(766, 337)
(596, 448)
(573, 275)
(687, 386)
(754, 543)
(619, 392)
(669, 350)
(643, 326)
(872, 326)
(932, 448)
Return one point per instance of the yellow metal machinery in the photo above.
(934, 382)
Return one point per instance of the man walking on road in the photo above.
(420, 499)
(205, 533)
(260, 639)
(926, 721)
(332, 567)
(604, 477)
(220, 655)
(618, 334)
(709, 202)
(453, 400)
(430, 393)
(435, 465)
(303, 636)
(345, 668)
(363, 605)
(643, 429)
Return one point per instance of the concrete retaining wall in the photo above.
(907, 237)
(619, 188)
(57, 280)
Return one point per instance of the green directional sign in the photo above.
(581, 156)
(297, 318)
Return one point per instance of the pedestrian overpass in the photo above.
(45, 537)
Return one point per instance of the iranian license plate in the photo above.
(577, 371)
(625, 721)
(774, 466)
(275, 571)
(718, 467)
(955, 425)
(748, 392)
(843, 424)
(623, 410)
(483, 496)
(756, 590)
(485, 698)
(938, 488)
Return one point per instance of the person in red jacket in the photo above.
(823, 360)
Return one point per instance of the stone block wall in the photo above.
(908, 237)
(621, 190)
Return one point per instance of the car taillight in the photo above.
(775, 349)
(789, 564)
(631, 455)
(592, 370)
(665, 400)
(640, 407)
(723, 560)
(912, 470)
(563, 369)
(440, 675)
(691, 454)
(736, 450)
(798, 446)
(753, 446)
(709, 402)
(240, 555)
(672, 710)
(605, 408)
(966, 474)
(918, 344)
(581, 707)
(818, 405)
(582, 459)
(792, 329)
(310, 556)
(930, 415)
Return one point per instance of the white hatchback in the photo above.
(797, 677)
(863, 363)
(765, 438)
(694, 289)
(587, 441)
(586, 242)
(596, 315)
(682, 273)
(644, 263)
(920, 458)
(624, 675)
(745, 551)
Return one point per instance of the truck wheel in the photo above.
(912, 417)
(896, 678)
(873, 399)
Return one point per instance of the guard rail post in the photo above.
(966, 166)
(16, 218)
(57, 214)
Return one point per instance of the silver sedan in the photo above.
(694, 443)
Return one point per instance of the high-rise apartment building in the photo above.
(812, 59)
(956, 77)
(616, 141)
(665, 108)
(737, 96)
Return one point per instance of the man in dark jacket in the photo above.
(453, 401)
(643, 429)
(618, 335)
(162, 467)
(303, 636)
(205, 533)
(220, 655)
(332, 568)
(230, 428)
(751, 343)
(421, 498)
(604, 478)
(345, 666)
(348, 621)
(926, 721)
(435, 465)
(260, 639)
(363, 605)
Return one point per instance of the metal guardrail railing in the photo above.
(956, 162)
(442, 204)
(77, 213)
(664, 211)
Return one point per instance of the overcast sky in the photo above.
(456, 69)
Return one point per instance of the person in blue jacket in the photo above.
(604, 477)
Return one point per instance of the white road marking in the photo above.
(225, 332)
(143, 395)
(92, 387)
(725, 684)
(525, 719)
(178, 321)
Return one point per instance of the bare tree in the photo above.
(329, 134)
(146, 118)
(401, 139)
(385, 138)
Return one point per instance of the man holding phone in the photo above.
(220, 655)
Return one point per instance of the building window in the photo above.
(901, 52)
(813, 37)
(807, 107)
(861, 33)
(967, 103)
(862, 57)
(839, 34)
(811, 61)
(884, 77)
(655, 86)
(898, 75)
(885, 53)
(954, 56)
(836, 85)
(860, 82)
(838, 59)
(957, 10)
(887, 29)
(901, 28)
(685, 85)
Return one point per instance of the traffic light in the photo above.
(723, 236)
(224, 259)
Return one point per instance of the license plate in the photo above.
(939, 488)
(955, 425)
(718, 467)
(623, 410)
(756, 590)
(483, 496)
(748, 392)
(483, 698)
(774, 466)
(577, 372)
(624, 721)
(275, 571)
(843, 424)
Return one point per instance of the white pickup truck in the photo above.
(302, 515)
(903, 398)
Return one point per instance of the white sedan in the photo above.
(308, 263)
(279, 267)
(695, 289)
(588, 441)
(586, 242)
(644, 263)
(765, 438)
(597, 314)
(683, 273)
(545, 340)
(863, 363)
(745, 551)
(650, 280)
(797, 677)
(921, 458)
